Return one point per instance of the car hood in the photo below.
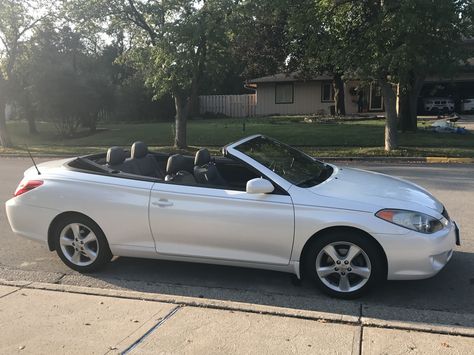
(377, 190)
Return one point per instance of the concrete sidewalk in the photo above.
(37, 321)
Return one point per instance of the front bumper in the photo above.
(419, 256)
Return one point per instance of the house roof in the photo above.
(286, 77)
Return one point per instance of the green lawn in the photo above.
(353, 138)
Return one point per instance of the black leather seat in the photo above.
(176, 171)
(116, 160)
(144, 162)
(205, 170)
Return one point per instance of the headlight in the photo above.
(416, 221)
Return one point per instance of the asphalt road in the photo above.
(452, 290)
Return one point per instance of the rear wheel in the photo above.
(81, 244)
(344, 264)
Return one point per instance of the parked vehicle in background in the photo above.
(467, 105)
(436, 105)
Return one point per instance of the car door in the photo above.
(221, 224)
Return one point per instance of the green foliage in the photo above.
(260, 37)
(65, 85)
(398, 37)
(391, 42)
(17, 20)
(174, 44)
(191, 44)
(76, 61)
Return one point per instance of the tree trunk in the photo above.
(181, 106)
(390, 102)
(5, 140)
(32, 125)
(338, 85)
(404, 109)
(408, 103)
(92, 125)
(29, 111)
(193, 104)
(415, 93)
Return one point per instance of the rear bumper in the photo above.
(29, 221)
(418, 256)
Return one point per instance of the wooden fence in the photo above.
(229, 105)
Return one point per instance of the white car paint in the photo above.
(223, 224)
(160, 220)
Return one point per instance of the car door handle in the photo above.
(162, 203)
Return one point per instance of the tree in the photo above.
(176, 43)
(190, 48)
(259, 38)
(432, 33)
(395, 42)
(67, 85)
(17, 19)
(315, 46)
(4, 137)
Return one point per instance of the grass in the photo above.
(334, 138)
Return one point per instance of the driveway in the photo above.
(467, 121)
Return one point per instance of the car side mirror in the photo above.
(259, 186)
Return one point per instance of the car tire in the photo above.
(358, 267)
(81, 244)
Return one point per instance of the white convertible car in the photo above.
(263, 204)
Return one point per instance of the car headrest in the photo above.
(139, 150)
(175, 163)
(202, 157)
(115, 156)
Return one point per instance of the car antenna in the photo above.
(29, 153)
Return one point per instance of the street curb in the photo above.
(255, 308)
(449, 160)
(188, 301)
(429, 160)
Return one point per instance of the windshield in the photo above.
(290, 163)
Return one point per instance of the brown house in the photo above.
(286, 94)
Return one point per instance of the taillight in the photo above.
(27, 185)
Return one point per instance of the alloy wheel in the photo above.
(343, 266)
(79, 244)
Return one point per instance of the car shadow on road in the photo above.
(434, 300)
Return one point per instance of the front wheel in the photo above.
(81, 244)
(344, 264)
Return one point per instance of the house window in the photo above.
(327, 91)
(284, 93)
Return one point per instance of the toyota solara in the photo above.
(262, 204)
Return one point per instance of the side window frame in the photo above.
(278, 189)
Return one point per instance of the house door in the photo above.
(375, 98)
